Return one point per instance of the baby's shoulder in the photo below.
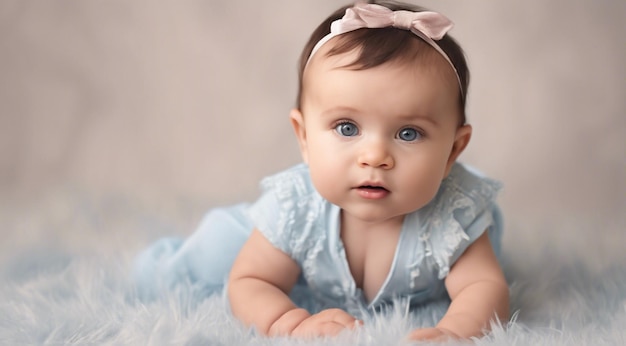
(290, 211)
(463, 197)
(466, 182)
(294, 182)
(461, 211)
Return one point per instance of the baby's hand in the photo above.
(328, 322)
(433, 334)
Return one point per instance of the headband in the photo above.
(427, 25)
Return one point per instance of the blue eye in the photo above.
(347, 129)
(409, 134)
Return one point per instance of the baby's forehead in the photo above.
(346, 52)
(327, 60)
(328, 80)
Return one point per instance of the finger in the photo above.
(336, 315)
(325, 323)
(427, 334)
(311, 329)
(433, 334)
(332, 328)
(345, 319)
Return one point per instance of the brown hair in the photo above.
(379, 46)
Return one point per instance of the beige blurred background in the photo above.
(189, 99)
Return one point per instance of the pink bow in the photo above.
(433, 25)
(426, 25)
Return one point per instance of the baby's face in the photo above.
(378, 141)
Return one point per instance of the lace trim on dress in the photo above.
(298, 213)
(462, 195)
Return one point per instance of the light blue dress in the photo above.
(296, 219)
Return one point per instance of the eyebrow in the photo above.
(338, 109)
(405, 117)
(410, 117)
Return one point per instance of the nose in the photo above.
(376, 154)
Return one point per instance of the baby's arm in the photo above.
(479, 293)
(258, 288)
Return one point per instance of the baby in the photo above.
(380, 210)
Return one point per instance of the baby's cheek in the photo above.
(422, 190)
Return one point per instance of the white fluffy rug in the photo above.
(64, 280)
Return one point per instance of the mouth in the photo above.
(372, 187)
(372, 191)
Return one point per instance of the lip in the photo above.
(372, 190)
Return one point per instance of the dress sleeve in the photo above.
(462, 211)
(283, 213)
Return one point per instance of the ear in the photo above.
(297, 121)
(461, 139)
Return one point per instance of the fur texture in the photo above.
(66, 282)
